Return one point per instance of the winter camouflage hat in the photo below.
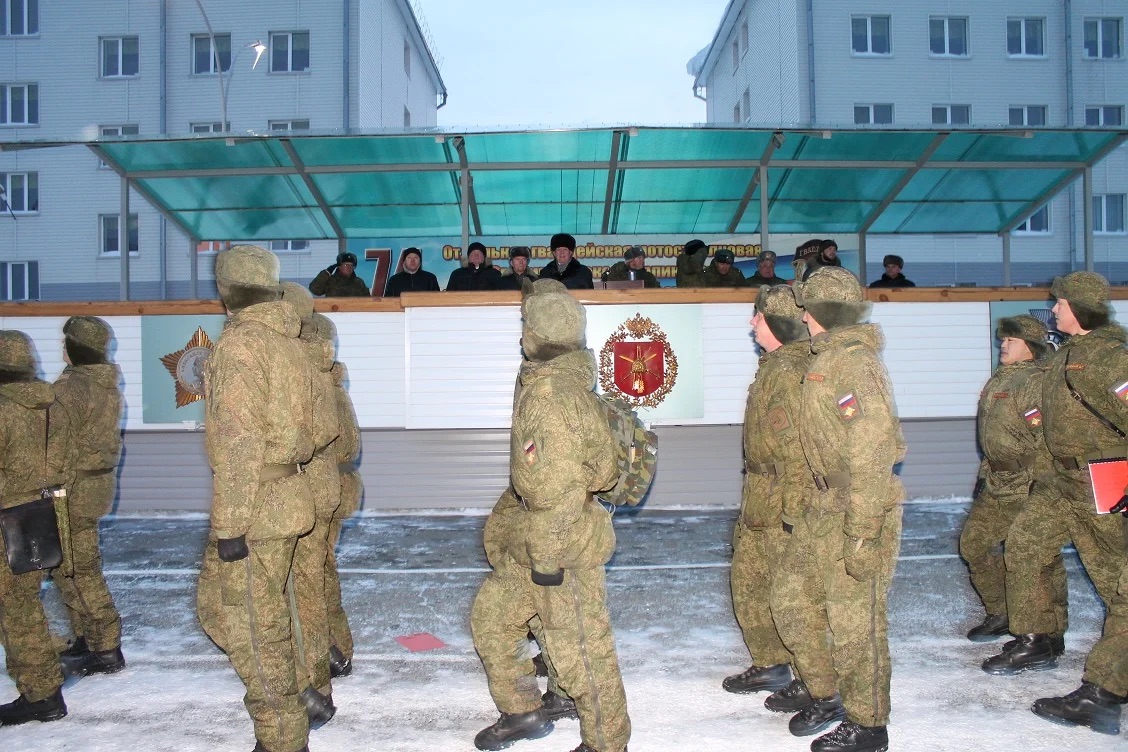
(247, 266)
(300, 298)
(1026, 328)
(16, 353)
(554, 322)
(784, 318)
(1085, 289)
(833, 296)
(88, 331)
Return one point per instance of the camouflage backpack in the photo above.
(637, 450)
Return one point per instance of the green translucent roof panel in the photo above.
(240, 192)
(1040, 146)
(685, 185)
(256, 224)
(352, 188)
(693, 145)
(406, 221)
(980, 185)
(196, 154)
(535, 186)
(553, 146)
(832, 185)
(811, 216)
(855, 146)
(540, 219)
(686, 217)
(947, 217)
(379, 150)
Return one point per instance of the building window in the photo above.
(1103, 38)
(111, 131)
(1026, 37)
(951, 114)
(948, 37)
(19, 280)
(21, 191)
(216, 127)
(109, 227)
(1037, 223)
(747, 99)
(407, 58)
(19, 18)
(291, 246)
(289, 125)
(736, 113)
(870, 35)
(406, 118)
(1106, 114)
(743, 37)
(1108, 213)
(119, 57)
(19, 104)
(1029, 114)
(735, 55)
(203, 53)
(873, 114)
(289, 51)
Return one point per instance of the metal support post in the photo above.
(123, 239)
(862, 257)
(1006, 236)
(193, 269)
(1087, 183)
(764, 244)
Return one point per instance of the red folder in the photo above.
(1110, 478)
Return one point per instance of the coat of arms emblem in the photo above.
(637, 363)
(186, 366)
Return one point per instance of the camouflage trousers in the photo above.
(309, 614)
(29, 651)
(837, 626)
(340, 634)
(755, 557)
(85, 593)
(1059, 512)
(242, 606)
(577, 635)
(982, 543)
(1107, 664)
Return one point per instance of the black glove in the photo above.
(548, 580)
(233, 549)
(980, 484)
(1121, 506)
(331, 268)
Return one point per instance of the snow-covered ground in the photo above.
(668, 590)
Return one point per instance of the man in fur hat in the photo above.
(339, 280)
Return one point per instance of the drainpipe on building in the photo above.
(1072, 195)
(162, 225)
(811, 62)
(345, 65)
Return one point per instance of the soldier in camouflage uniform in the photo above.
(845, 543)
(309, 612)
(33, 449)
(775, 478)
(1085, 411)
(89, 388)
(1014, 455)
(691, 264)
(561, 452)
(260, 430)
(722, 273)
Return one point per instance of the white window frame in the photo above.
(21, 192)
(28, 16)
(1102, 115)
(112, 131)
(746, 100)
(119, 54)
(947, 21)
(208, 126)
(736, 113)
(289, 124)
(406, 117)
(8, 272)
(289, 36)
(868, 51)
(1024, 37)
(870, 108)
(103, 234)
(1026, 110)
(208, 40)
(1099, 22)
(289, 246)
(7, 118)
(1039, 220)
(948, 108)
(1103, 213)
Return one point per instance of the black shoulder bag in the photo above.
(31, 529)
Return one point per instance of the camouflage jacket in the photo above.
(335, 286)
(259, 413)
(33, 456)
(347, 445)
(1096, 364)
(776, 477)
(1010, 428)
(690, 268)
(620, 272)
(324, 476)
(561, 451)
(848, 424)
(92, 397)
(735, 277)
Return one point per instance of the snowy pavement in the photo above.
(676, 636)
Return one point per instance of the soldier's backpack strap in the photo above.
(1085, 403)
(636, 452)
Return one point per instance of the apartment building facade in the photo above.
(914, 63)
(86, 69)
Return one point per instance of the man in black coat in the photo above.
(518, 271)
(476, 274)
(412, 278)
(892, 277)
(564, 267)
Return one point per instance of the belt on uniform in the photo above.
(21, 498)
(1080, 463)
(766, 468)
(1012, 466)
(96, 473)
(277, 472)
(832, 480)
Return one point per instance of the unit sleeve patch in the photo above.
(1033, 417)
(1121, 391)
(530, 452)
(778, 419)
(848, 407)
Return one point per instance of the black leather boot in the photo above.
(791, 699)
(992, 628)
(586, 748)
(513, 727)
(539, 665)
(319, 708)
(759, 679)
(76, 649)
(850, 737)
(260, 748)
(557, 707)
(100, 662)
(817, 716)
(21, 710)
(1089, 705)
(339, 665)
(1030, 652)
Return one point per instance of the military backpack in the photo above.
(636, 450)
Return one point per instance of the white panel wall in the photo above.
(372, 346)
